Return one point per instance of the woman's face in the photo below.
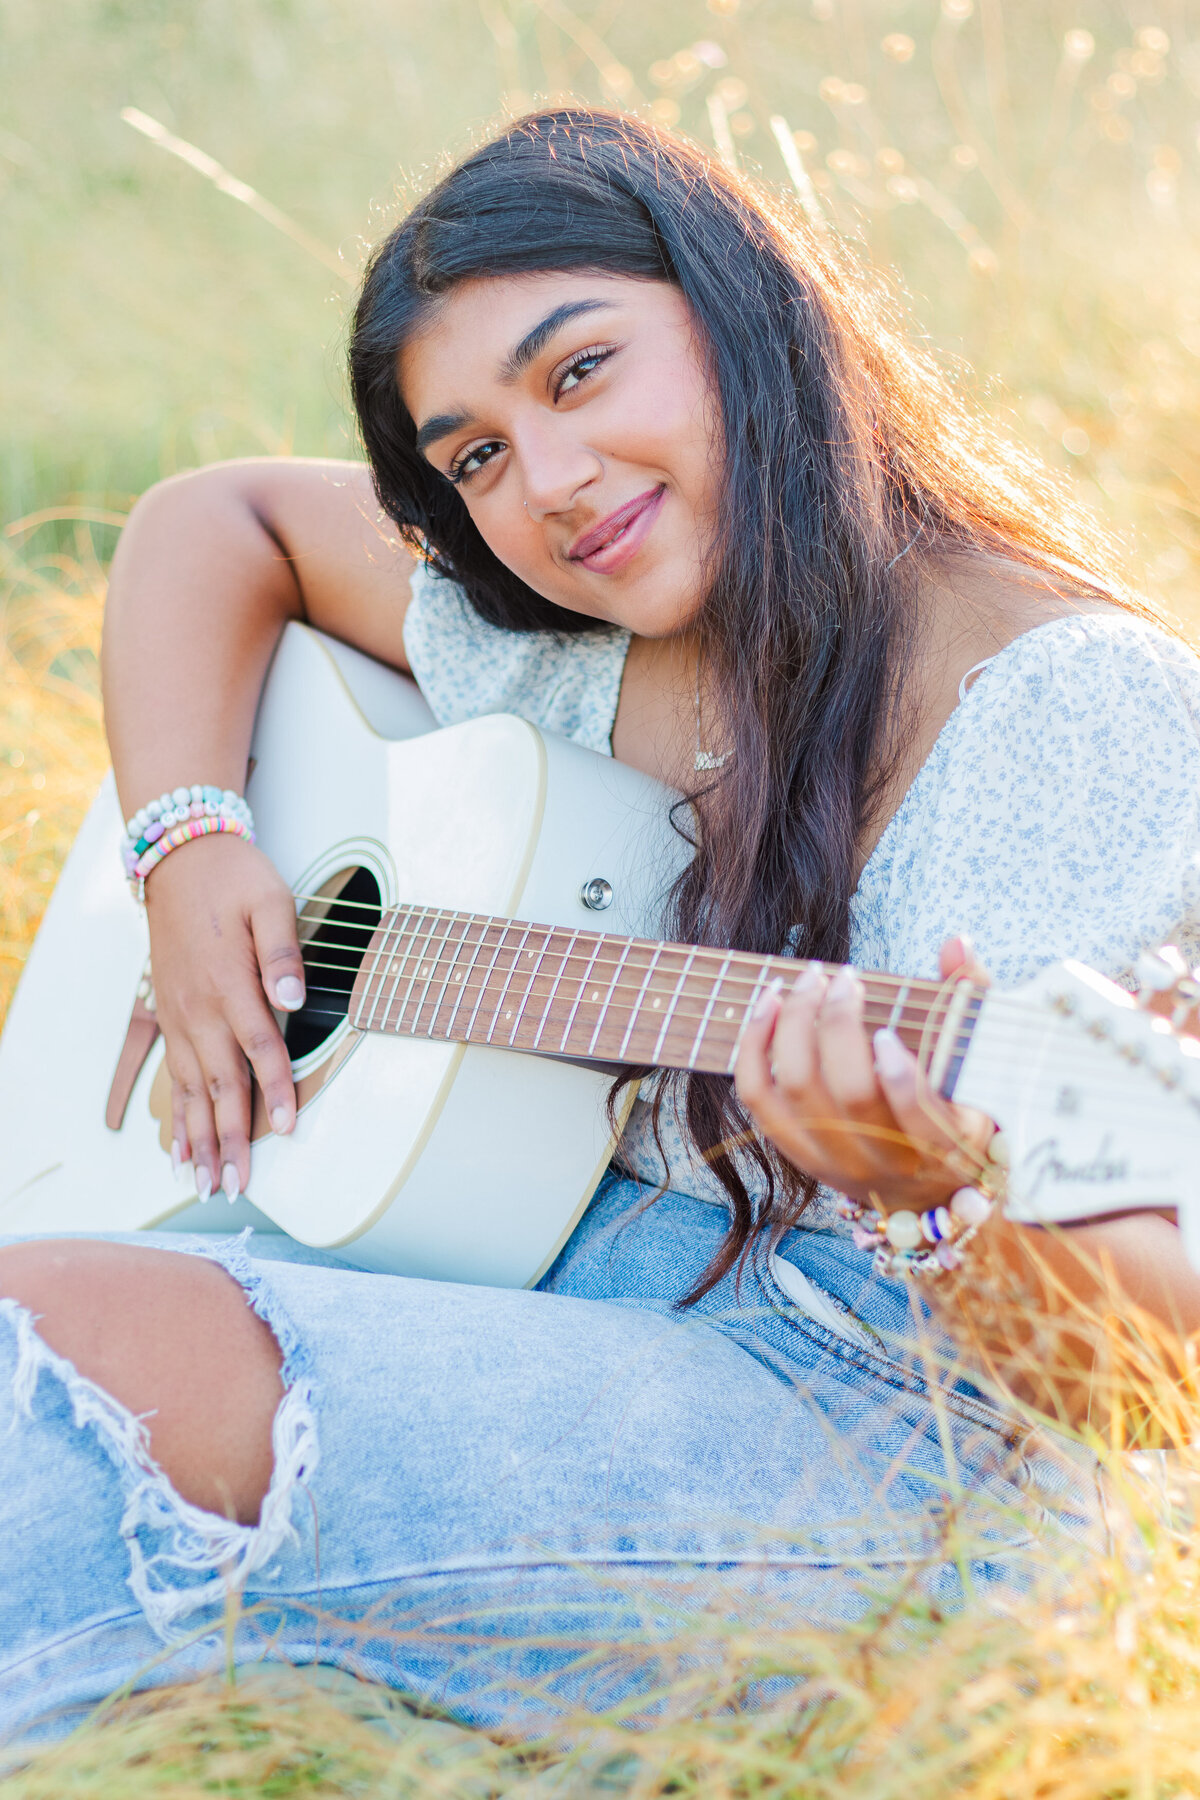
(576, 417)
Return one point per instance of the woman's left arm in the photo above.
(1059, 1317)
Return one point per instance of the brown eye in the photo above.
(579, 369)
(471, 461)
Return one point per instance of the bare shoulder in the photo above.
(984, 602)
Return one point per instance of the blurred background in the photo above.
(188, 188)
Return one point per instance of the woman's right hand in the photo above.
(224, 950)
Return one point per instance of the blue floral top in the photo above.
(1058, 813)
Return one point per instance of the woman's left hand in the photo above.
(857, 1114)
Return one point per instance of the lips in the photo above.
(615, 538)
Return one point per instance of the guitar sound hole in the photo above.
(331, 961)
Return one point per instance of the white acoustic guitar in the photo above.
(478, 910)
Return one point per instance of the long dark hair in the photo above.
(849, 461)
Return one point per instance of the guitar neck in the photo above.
(470, 978)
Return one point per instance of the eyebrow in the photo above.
(535, 341)
(514, 365)
(440, 426)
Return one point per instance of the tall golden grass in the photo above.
(1031, 172)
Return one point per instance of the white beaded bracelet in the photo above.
(155, 829)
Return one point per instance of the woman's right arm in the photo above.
(209, 570)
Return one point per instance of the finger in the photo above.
(752, 1078)
(181, 1150)
(957, 961)
(262, 1045)
(198, 1124)
(847, 1062)
(273, 925)
(794, 1055)
(227, 1083)
(754, 1081)
(935, 1127)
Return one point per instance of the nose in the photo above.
(555, 466)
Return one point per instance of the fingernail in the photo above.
(844, 985)
(176, 1158)
(203, 1183)
(891, 1058)
(812, 978)
(230, 1183)
(281, 1120)
(289, 993)
(769, 994)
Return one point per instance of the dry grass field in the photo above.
(175, 288)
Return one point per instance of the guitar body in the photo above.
(421, 1157)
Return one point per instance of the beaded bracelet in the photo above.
(183, 803)
(929, 1243)
(176, 818)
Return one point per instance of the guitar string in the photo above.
(614, 1002)
(923, 1012)
(1014, 1040)
(403, 947)
(915, 1008)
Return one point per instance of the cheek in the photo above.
(666, 423)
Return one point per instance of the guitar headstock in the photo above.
(1097, 1092)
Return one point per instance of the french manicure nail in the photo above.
(281, 1119)
(289, 993)
(844, 984)
(770, 993)
(809, 981)
(176, 1158)
(229, 1182)
(203, 1183)
(891, 1058)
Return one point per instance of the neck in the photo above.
(474, 979)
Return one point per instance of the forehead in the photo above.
(466, 337)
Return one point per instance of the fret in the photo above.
(529, 987)
(602, 1015)
(372, 983)
(474, 921)
(707, 1014)
(454, 977)
(425, 970)
(365, 977)
(672, 1003)
(417, 959)
(948, 1033)
(587, 976)
(554, 981)
(761, 982)
(451, 919)
(512, 969)
(396, 968)
(651, 966)
(503, 931)
(896, 1016)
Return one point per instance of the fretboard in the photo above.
(470, 978)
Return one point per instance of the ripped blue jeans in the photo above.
(515, 1505)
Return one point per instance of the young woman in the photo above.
(651, 467)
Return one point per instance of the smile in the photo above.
(611, 544)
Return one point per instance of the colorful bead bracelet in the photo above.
(929, 1243)
(176, 807)
(176, 818)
